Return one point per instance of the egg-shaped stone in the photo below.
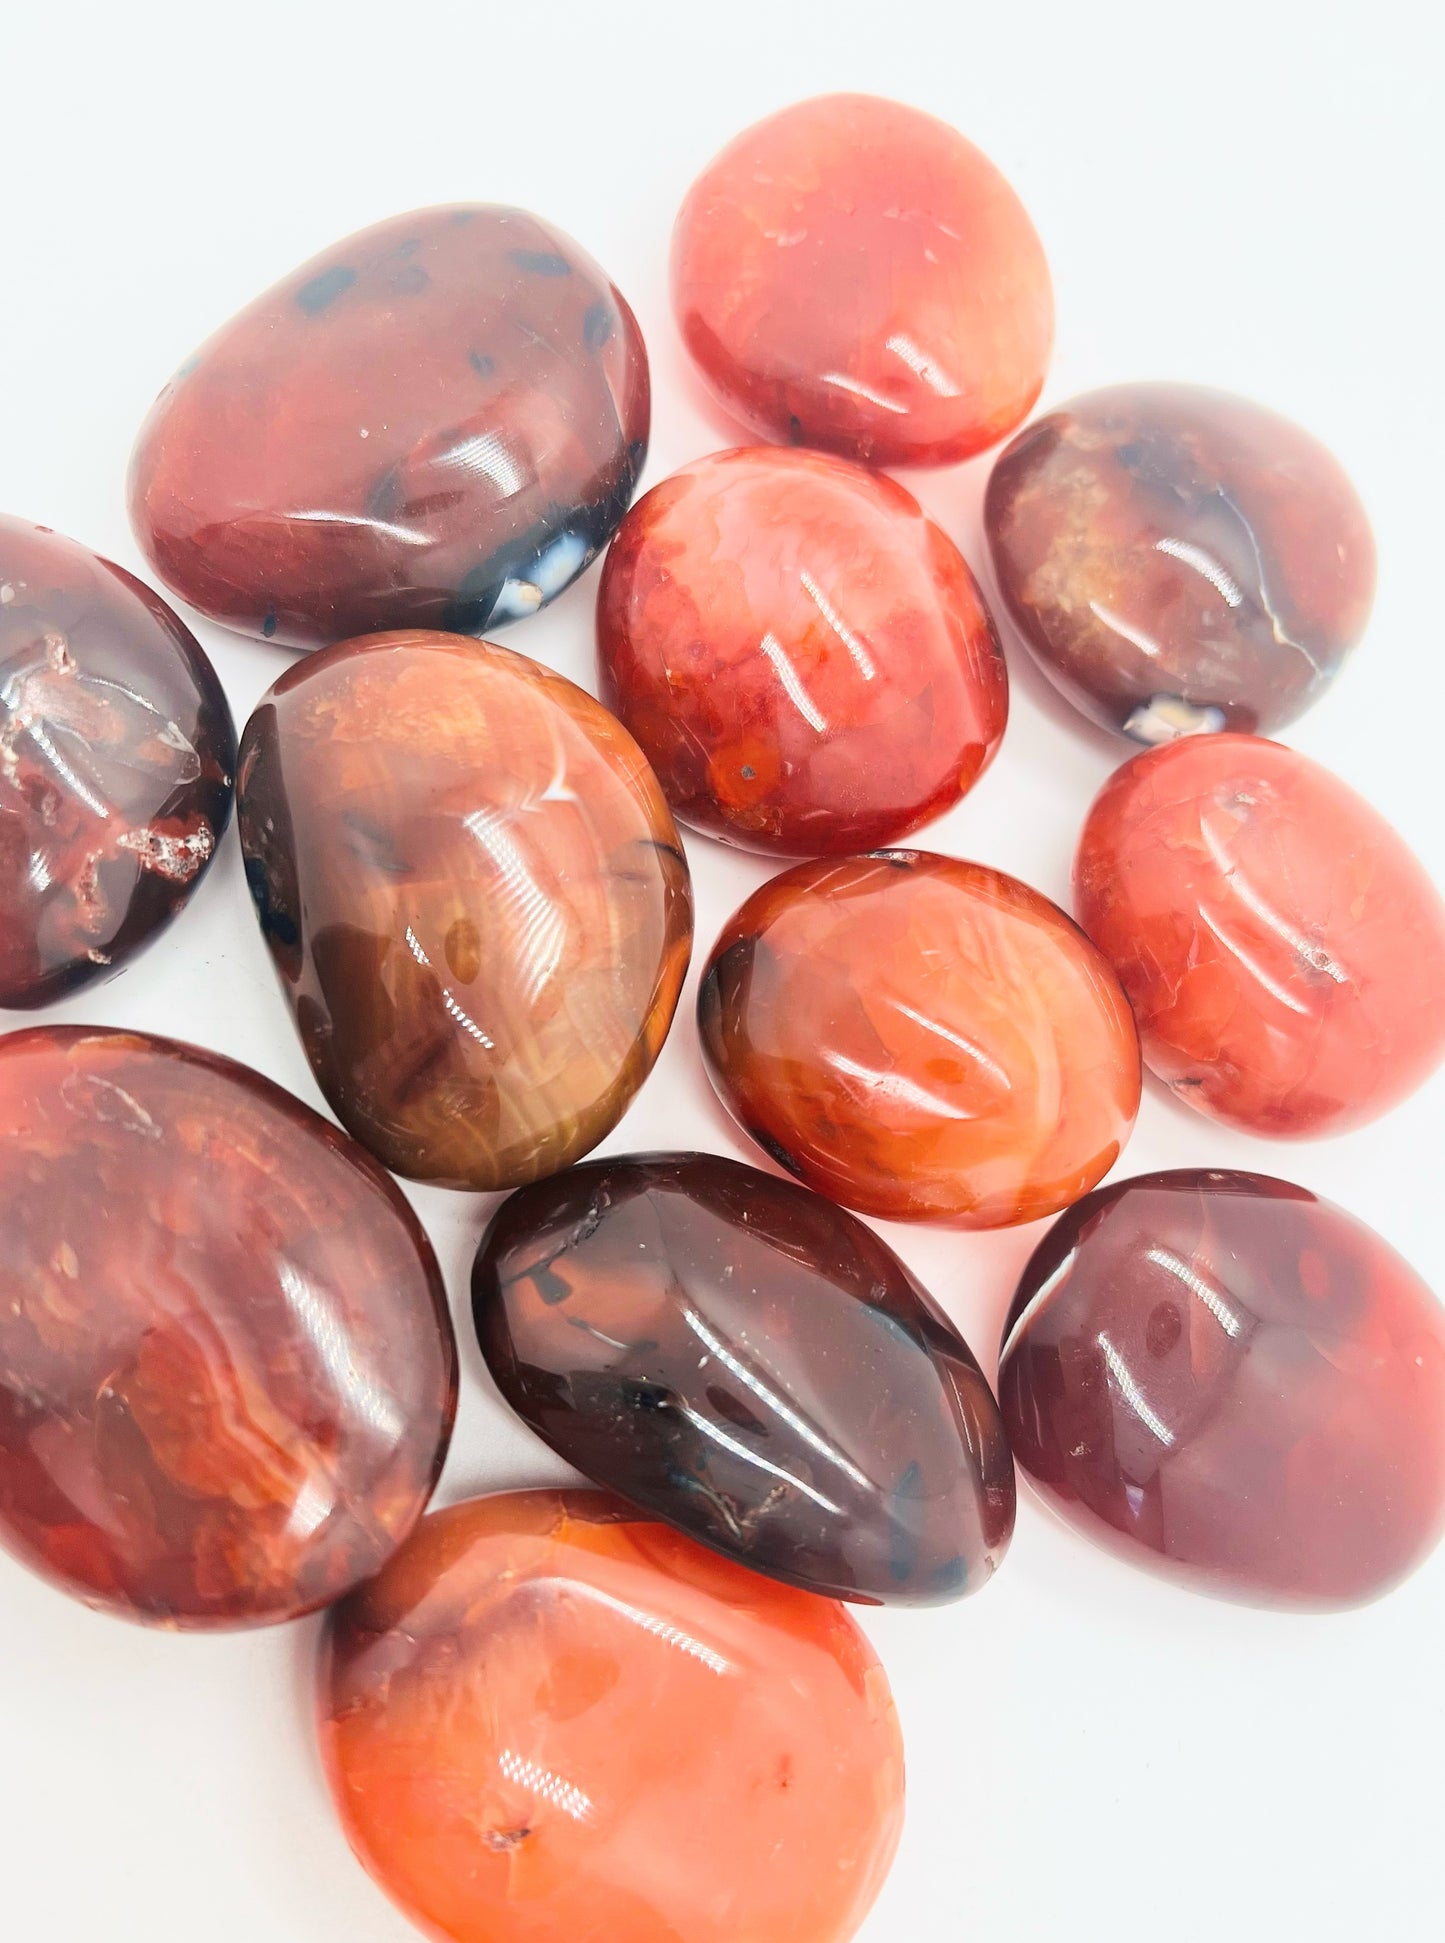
(435, 423)
(1283, 950)
(474, 895)
(227, 1372)
(117, 756)
(853, 274)
(1226, 1379)
(921, 1038)
(805, 657)
(550, 1718)
(1180, 560)
(738, 1356)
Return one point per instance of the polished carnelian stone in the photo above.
(746, 1360)
(853, 274)
(435, 423)
(1283, 950)
(550, 1719)
(921, 1038)
(1224, 1378)
(116, 762)
(474, 896)
(1179, 559)
(805, 658)
(227, 1372)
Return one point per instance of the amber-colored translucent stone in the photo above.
(474, 895)
(1283, 950)
(551, 1719)
(435, 423)
(921, 1038)
(1179, 559)
(1224, 1378)
(746, 1360)
(116, 760)
(805, 658)
(227, 1372)
(853, 274)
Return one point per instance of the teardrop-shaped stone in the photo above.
(473, 892)
(737, 1355)
(435, 423)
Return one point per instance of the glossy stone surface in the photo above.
(1283, 950)
(435, 423)
(853, 274)
(1219, 1376)
(805, 658)
(551, 1719)
(227, 1372)
(921, 1038)
(117, 756)
(752, 1364)
(1180, 560)
(474, 896)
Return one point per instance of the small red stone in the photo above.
(1224, 1378)
(853, 274)
(1283, 950)
(805, 658)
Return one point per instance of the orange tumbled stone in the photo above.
(922, 1039)
(551, 1719)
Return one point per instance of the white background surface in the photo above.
(1242, 195)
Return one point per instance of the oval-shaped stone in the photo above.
(435, 423)
(853, 274)
(921, 1038)
(228, 1367)
(117, 755)
(1179, 559)
(474, 896)
(1283, 950)
(1221, 1377)
(742, 1358)
(551, 1718)
(805, 658)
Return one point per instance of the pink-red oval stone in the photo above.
(805, 657)
(1220, 1376)
(853, 274)
(1283, 950)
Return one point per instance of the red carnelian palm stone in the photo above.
(550, 1719)
(749, 1362)
(227, 1372)
(853, 274)
(116, 762)
(1224, 1378)
(921, 1038)
(1283, 950)
(805, 658)
(435, 423)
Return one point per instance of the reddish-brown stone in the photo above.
(551, 1719)
(1283, 950)
(116, 762)
(435, 423)
(474, 896)
(1219, 1376)
(853, 274)
(749, 1362)
(1179, 559)
(805, 658)
(921, 1038)
(227, 1372)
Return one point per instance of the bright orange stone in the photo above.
(550, 1719)
(853, 274)
(922, 1039)
(1283, 950)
